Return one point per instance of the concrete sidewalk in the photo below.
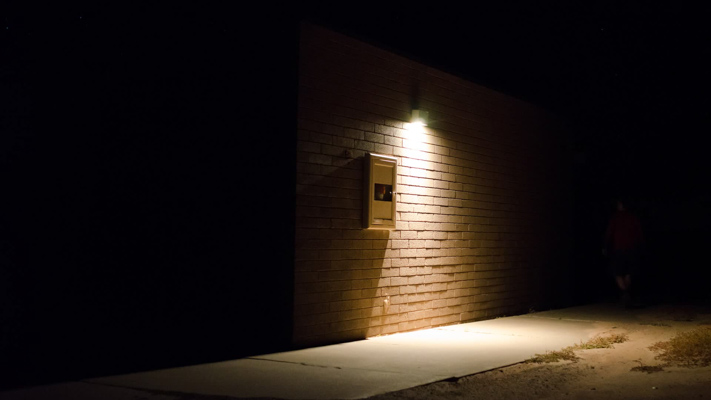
(357, 369)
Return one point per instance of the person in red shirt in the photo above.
(623, 241)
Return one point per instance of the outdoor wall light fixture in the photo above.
(419, 117)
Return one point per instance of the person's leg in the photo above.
(623, 277)
(636, 290)
(621, 266)
(624, 282)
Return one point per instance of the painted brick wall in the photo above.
(483, 198)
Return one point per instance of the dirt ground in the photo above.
(598, 374)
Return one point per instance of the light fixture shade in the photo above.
(420, 117)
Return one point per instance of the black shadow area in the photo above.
(148, 202)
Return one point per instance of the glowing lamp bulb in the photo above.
(419, 117)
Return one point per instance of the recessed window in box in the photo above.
(383, 192)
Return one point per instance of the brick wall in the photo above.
(483, 200)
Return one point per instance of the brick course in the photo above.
(482, 197)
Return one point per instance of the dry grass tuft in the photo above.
(601, 342)
(554, 356)
(567, 354)
(686, 349)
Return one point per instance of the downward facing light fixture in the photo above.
(419, 117)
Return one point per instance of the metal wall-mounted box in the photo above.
(380, 177)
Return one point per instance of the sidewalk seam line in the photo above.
(327, 366)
